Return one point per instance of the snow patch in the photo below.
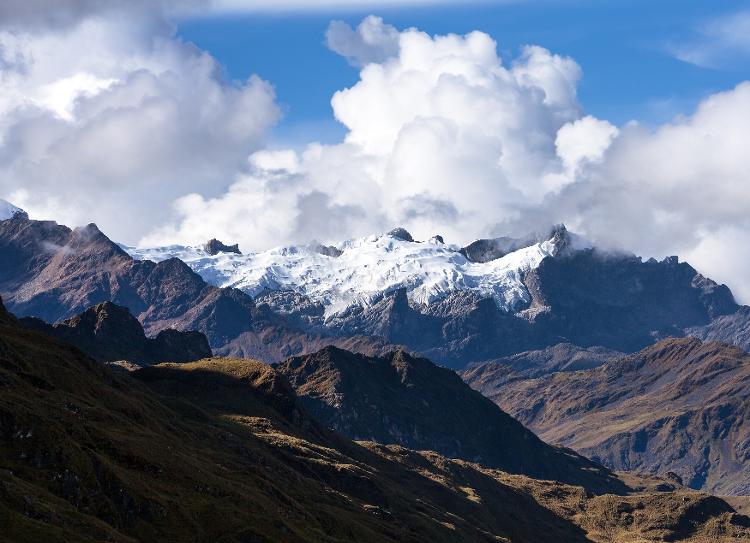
(368, 267)
(8, 210)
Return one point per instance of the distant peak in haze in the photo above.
(8, 210)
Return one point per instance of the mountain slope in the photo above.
(679, 406)
(219, 451)
(563, 357)
(409, 401)
(108, 332)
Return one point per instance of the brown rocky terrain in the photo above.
(404, 400)
(680, 406)
(108, 332)
(557, 358)
(220, 450)
(409, 401)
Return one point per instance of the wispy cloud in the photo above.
(719, 43)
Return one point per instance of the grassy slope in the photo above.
(219, 451)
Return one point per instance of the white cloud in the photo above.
(681, 188)
(583, 141)
(445, 137)
(720, 42)
(371, 41)
(112, 119)
(442, 137)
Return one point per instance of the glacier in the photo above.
(366, 268)
(8, 210)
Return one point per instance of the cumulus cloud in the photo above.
(443, 136)
(371, 41)
(681, 188)
(446, 137)
(111, 119)
(718, 43)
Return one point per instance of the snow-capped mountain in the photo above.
(8, 210)
(360, 271)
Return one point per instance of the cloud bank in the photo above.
(142, 134)
(111, 118)
(445, 137)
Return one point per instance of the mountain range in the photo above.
(371, 294)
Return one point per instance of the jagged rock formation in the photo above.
(403, 400)
(401, 233)
(214, 247)
(108, 332)
(219, 450)
(679, 406)
(486, 250)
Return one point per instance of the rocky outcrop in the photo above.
(732, 328)
(214, 247)
(408, 401)
(679, 406)
(108, 332)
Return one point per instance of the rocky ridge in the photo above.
(680, 406)
(108, 332)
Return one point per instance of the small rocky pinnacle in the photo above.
(401, 233)
(214, 247)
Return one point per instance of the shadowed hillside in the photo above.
(219, 450)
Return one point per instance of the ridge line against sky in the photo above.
(159, 134)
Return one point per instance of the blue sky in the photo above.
(624, 48)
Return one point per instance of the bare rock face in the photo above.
(214, 247)
(405, 400)
(679, 406)
(620, 302)
(54, 273)
(108, 332)
(401, 233)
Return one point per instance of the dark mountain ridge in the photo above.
(108, 332)
(409, 401)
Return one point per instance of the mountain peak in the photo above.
(214, 247)
(8, 210)
(401, 233)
